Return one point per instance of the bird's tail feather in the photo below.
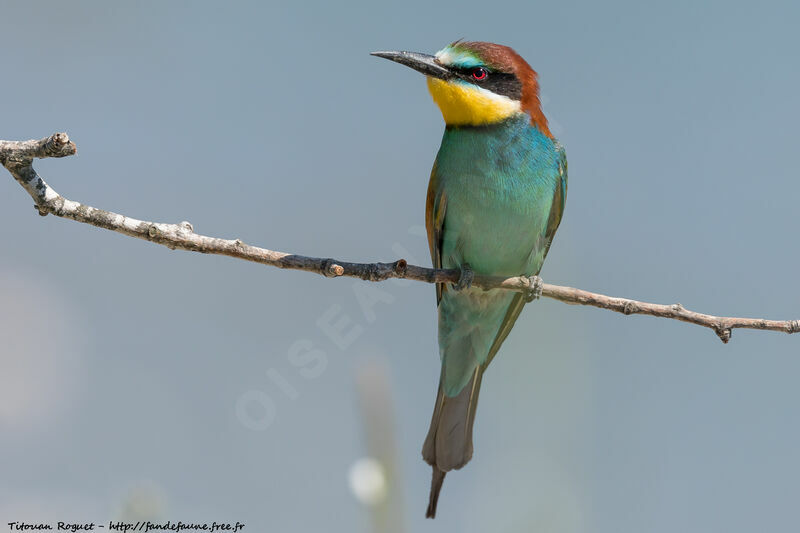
(448, 445)
(436, 486)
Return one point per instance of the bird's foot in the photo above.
(534, 290)
(465, 279)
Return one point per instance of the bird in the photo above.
(495, 199)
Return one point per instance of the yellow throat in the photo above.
(463, 104)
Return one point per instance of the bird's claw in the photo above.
(534, 289)
(465, 279)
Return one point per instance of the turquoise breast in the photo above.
(498, 181)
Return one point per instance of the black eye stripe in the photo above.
(502, 83)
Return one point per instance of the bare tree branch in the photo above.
(18, 157)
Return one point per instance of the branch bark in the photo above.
(17, 157)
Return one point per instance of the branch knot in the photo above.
(630, 307)
(330, 269)
(400, 268)
(723, 333)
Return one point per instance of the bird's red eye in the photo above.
(479, 74)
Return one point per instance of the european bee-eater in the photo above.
(495, 200)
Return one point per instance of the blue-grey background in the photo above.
(121, 362)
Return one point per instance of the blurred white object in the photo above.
(368, 481)
(144, 501)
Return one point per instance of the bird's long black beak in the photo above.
(423, 63)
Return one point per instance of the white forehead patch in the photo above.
(454, 57)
